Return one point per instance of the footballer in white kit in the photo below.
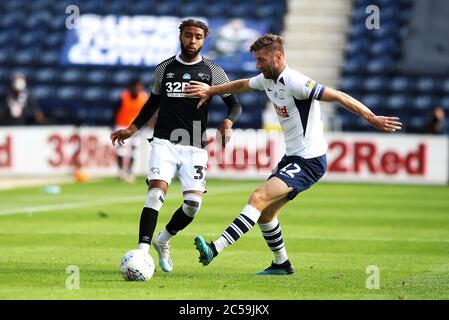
(295, 98)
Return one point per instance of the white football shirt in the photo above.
(295, 99)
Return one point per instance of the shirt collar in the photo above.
(283, 73)
(188, 63)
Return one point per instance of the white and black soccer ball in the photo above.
(137, 265)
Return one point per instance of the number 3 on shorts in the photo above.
(199, 173)
(291, 172)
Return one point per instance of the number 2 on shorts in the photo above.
(291, 172)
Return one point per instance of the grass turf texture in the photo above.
(333, 232)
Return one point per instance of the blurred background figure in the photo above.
(18, 106)
(233, 37)
(131, 101)
(437, 123)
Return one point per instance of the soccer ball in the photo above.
(137, 265)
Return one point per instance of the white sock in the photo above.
(273, 236)
(144, 246)
(220, 244)
(241, 225)
(164, 236)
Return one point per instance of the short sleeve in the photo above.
(304, 88)
(256, 82)
(219, 76)
(157, 79)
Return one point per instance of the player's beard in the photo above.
(270, 73)
(190, 55)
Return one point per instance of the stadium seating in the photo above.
(32, 35)
(369, 71)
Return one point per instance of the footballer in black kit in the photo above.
(177, 111)
(178, 144)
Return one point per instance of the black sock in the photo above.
(131, 160)
(120, 162)
(178, 221)
(130, 165)
(148, 221)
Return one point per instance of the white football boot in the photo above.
(163, 250)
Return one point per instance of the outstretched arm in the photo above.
(388, 124)
(204, 91)
(145, 114)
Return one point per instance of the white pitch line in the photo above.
(99, 202)
(319, 238)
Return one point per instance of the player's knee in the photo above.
(155, 199)
(192, 204)
(256, 199)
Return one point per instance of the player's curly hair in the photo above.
(269, 41)
(194, 23)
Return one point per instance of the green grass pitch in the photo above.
(333, 232)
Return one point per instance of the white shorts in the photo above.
(188, 162)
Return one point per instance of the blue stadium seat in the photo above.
(54, 40)
(445, 103)
(5, 38)
(216, 9)
(373, 101)
(166, 8)
(379, 65)
(94, 94)
(5, 56)
(25, 57)
(12, 20)
(147, 78)
(49, 57)
(5, 75)
(27, 71)
(375, 84)
(445, 86)
(427, 85)
(241, 10)
(114, 95)
(398, 101)
(418, 124)
(37, 20)
(383, 47)
(423, 102)
(97, 77)
(122, 77)
(355, 65)
(251, 100)
(68, 93)
(401, 84)
(47, 75)
(31, 38)
(74, 76)
(356, 47)
(57, 22)
(351, 83)
(44, 91)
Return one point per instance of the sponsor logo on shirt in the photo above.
(186, 76)
(204, 76)
(281, 111)
(170, 75)
(281, 94)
